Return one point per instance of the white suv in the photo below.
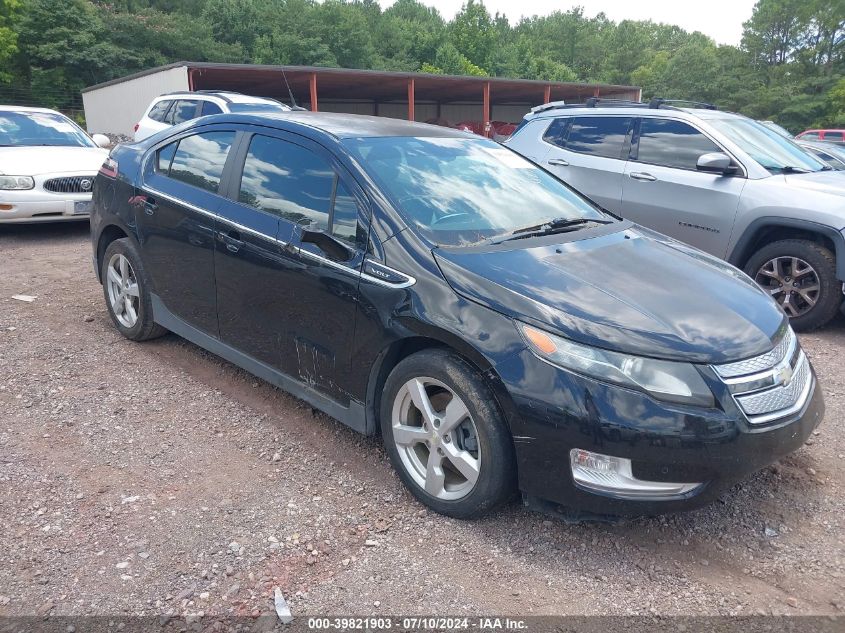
(178, 107)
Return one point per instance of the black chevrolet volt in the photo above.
(501, 332)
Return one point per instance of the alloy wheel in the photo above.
(792, 282)
(124, 295)
(436, 438)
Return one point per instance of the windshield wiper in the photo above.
(790, 169)
(556, 225)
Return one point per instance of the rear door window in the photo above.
(159, 110)
(209, 107)
(183, 110)
(599, 135)
(809, 136)
(199, 159)
(833, 137)
(672, 144)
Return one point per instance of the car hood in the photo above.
(33, 161)
(832, 182)
(622, 290)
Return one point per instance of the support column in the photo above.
(411, 100)
(596, 92)
(312, 82)
(547, 94)
(486, 118)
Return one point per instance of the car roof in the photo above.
(225, 95)
(14, 108)
(635, 110)
(342, 125)
(830, 148)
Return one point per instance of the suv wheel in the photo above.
(801, 276)
(445, 436)
(126, 289)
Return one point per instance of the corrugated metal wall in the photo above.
(454, 112)
(116, 109)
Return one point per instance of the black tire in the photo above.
(823, 262)
(497, 472)
(144, 328)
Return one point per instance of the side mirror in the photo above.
(716, 163)
(101, 140)
(333, 248)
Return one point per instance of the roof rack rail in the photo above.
(551, 105)
(591, 102)
(221, 94)
(658, 102)
(594, 102)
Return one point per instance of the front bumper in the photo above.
(556, 411)
(30, 211)
(40, 205)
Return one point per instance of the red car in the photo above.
(828, 136)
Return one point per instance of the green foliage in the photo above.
(9, 14)
(790, 66)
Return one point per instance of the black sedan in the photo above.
(500, 331)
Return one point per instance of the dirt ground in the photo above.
(157, 479)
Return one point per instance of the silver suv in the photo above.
(717, 180)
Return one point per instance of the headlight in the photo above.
(16, 182)
(664, 380)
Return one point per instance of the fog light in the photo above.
(612, 476)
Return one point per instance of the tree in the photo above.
(472, 33)
(9, 15)
(790, 66)
(450, 61)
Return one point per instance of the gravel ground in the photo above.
(157, 479)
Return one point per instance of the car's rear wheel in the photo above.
(801, 276)
(126, 290)
(445, 436)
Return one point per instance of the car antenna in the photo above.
(290, 92)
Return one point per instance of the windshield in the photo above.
(770, 149)
(26, 129)
(459, 191)
(777, 128)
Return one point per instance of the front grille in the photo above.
(778, 398)
(758, 363)
(770, 386)
(70, 184)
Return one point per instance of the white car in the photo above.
(47, 166)
(178, 107)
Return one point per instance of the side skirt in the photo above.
(353, 416)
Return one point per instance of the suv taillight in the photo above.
(109, 168)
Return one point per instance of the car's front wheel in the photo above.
(126, 288)
(801, 276)
(445, 435)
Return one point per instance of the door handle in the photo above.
(641, 175)
(558, 161)
(150, 205)
(232, 240)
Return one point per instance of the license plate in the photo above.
(82, 207)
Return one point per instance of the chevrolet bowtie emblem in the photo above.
(785, 375)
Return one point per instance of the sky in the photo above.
(720, 19)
